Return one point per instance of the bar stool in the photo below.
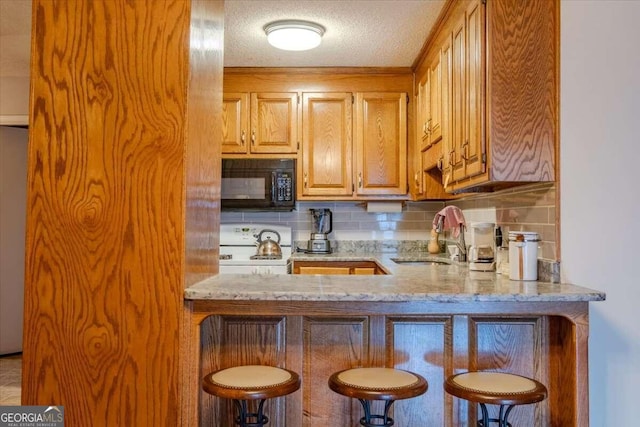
(368, 384)
(248, 383)
(495, 388)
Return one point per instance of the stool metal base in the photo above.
(502, 417)
(371, 420)
(250, 419)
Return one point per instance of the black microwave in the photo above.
(258, 185)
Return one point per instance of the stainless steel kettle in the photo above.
(267, 247)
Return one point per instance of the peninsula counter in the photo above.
(435, 320)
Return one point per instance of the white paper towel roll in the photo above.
(384, 207)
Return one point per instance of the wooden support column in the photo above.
(123, 203)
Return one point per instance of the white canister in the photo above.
(523, 255)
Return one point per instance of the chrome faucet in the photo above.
(460, 244)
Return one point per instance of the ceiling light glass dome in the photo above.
(294, 35)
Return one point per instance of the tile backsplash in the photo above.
(528, 208)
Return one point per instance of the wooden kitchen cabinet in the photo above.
(327, 144)
(381, 144)
(433, 119)
(337, 167)
(433, 345)
(235, 123)
(260, 123)
(468, 154)
(423, 99)
(500, 109)
(337, 267)
(429, 102)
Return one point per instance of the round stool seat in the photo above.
(495, 388)
(368, 384)
(251, 382)
(377, 383)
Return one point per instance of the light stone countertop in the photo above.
(435, 283)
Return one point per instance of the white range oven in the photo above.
(239, 247)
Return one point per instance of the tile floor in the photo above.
(10, 378)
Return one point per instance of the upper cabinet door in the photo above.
(274, 122)
(474, 146)
(435, 99)
(381, 143)
(326, 144)
(424, 111)
(235, 123)
(446, 75)
(458, 99)
(468, 144)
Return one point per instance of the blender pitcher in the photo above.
(321, 226)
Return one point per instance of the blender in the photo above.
(321, 226)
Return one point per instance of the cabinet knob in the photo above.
(305, 180)
(243, 137)
(253, 137)
(359, 179)
(451, 153)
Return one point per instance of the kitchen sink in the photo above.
(427, 261)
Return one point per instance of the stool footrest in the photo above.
(246, 418)
(370, 420)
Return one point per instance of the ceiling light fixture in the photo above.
(294, 35)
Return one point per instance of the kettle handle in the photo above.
(259, 236)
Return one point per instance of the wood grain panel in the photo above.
(435, 99)
(274, 122)
(114, 166)
(241, 340)
(253, 341)
(523, 87)
(458, 100)
(202, 168)
(332, 344)
(564, 374)
(381, 144)
(515, 346)
(475, 145)
(381, 133)
(424, 346)
(325, 79)
(323, 270)
(327, 144)
(336, 267)
(235, 123)
(432, 338)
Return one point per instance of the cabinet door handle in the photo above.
(243, 137)
(451, 155)
(424, 129)
(359, 179)
(253, 137)
(440, 163)
(305, 180)
(464, 150)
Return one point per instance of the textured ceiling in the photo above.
(362, 33)
(359, 33)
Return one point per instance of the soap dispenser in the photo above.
(433, 247)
